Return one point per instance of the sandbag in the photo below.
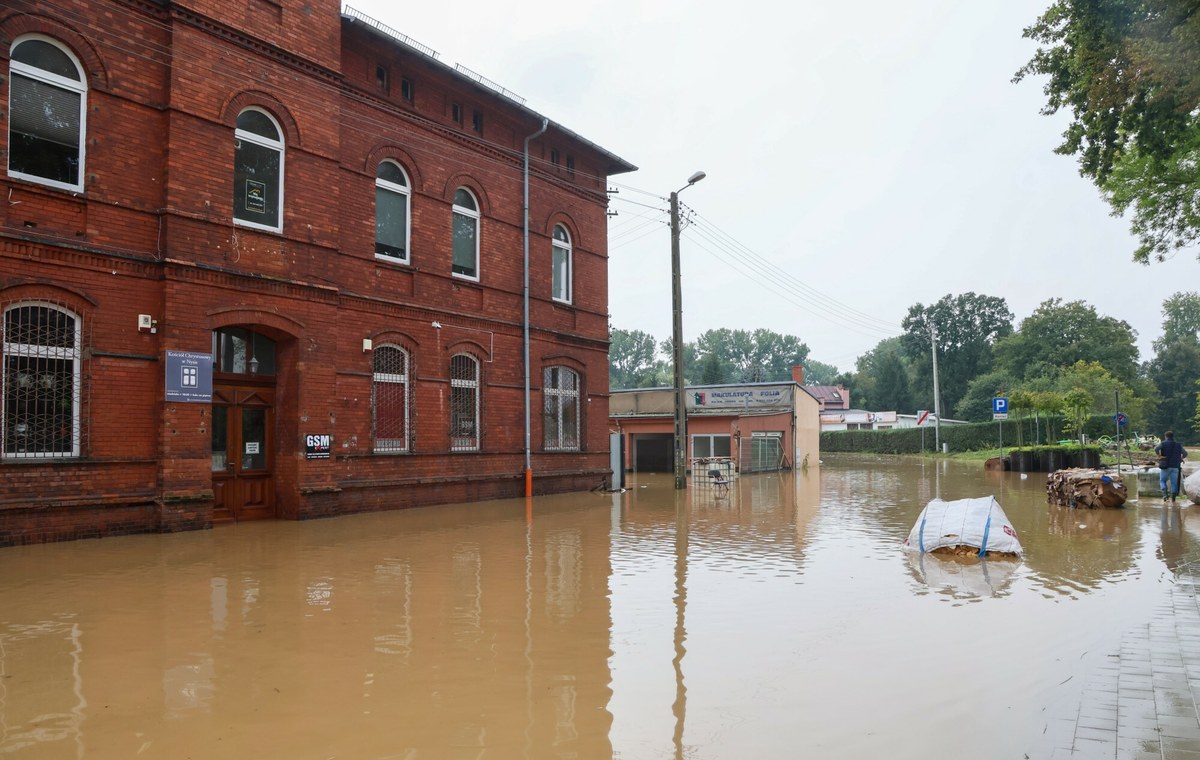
(949, 526)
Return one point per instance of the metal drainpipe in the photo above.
(525, 215)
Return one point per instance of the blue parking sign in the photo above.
(999, 405)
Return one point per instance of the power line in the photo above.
(833, 304)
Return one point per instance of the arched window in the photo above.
(466, 235)
(464, 403)
(389, 399)
(242, 351)
(258, 171)
(391, 213)
(560, 409)
(42, 353)
(560, 262)
(46, 113)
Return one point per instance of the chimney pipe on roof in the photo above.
(798, 374)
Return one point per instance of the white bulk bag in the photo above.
(1191, 487)
(979, 523)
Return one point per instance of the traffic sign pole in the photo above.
(1119, 418)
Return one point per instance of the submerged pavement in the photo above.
(1141, 704)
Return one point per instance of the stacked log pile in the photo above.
(963, 551)
(1086, 489)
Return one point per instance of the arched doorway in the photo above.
(243, 425)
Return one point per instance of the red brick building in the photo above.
(266, 260)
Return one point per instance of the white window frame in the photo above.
(554, 398)
(17, 68)
(401, 190)
(712, 437)
(465, 442)
(277, 145)
(390, 445)
(74, 354)
(561, 246)
(473, 214)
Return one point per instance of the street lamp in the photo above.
(677, 339)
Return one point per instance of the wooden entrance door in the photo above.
(243, 453)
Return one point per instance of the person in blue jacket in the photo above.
(1170, 459)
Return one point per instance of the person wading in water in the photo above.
(1170, 460)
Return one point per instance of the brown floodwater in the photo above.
(780, 620)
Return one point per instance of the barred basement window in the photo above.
(389, 399)
(560, 395)
(464, 403)
(42, 382)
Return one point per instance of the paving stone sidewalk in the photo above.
(1141, 704)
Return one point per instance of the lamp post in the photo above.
(677, 339)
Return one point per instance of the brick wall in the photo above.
(153, 233)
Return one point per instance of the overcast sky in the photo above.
(861, 158)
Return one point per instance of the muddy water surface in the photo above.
(780, 620)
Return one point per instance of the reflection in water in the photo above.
(963, 577)
(780, 619)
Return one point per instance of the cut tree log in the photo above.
(1086, 489)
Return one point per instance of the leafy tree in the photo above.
(967, 326)
(883, 378)
(1047, 404)
(1022, 404)
(1173, 371)
(850, 381)
(1176, 364)
(1196, 419)
(1103, 387)
(758, 356)
(1077, 405)
(819, 373)
(1059, 334)
(976, 403)
(1181, 320)
(632, 358)
(664, 374)
(1129, 72)
(713, 371)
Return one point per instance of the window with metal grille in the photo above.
(46, 114)
(464, 403)
(42, 382)
(389, 399)
(560, 408)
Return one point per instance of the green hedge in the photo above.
(970, 437)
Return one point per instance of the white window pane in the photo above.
(465, 233)
(391, 224)
(256, 183)
(44, 130)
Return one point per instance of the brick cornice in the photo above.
(240, 38)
